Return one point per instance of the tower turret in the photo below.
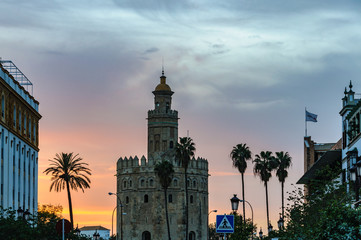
(162, 122)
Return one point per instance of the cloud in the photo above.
(151, 50)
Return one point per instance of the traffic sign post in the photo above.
(225, 224)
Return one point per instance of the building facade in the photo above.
(19, 140)
(139, 189)
(316, 157)
(351, 132)
(89, 231)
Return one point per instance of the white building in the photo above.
(351, 132)
(89, 231)
(19, 141)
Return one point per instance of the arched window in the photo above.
(14, 113)
(146, 235)
(175, 182)
(170, 198)
(124, 184)
(29, 128)
(194, 183)
(191, 199)
(130, 183)
(192, 236)
(188, 182)
(2, 106)
(126, 199)
(167, 107)
(142, 182)
(25, 124)
(145, 198)
(19, 119)
(171, 145)
(151, 183)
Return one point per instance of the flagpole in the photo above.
(305, 123)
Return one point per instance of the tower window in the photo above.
(167, 107)
(170, 198)
(142, 183)
(145, 198)
(157, 104)
(171, 144)
(164, 145)
(191, 199)
(151, 145)
(151, 183)
(126, 199)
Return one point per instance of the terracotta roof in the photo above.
(86, 228)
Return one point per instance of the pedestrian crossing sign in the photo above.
(225, 224)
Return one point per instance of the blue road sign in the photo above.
(225, 223)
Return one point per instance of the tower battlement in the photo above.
(131, 163)
(169, 113)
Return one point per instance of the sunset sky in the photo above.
(242, 72)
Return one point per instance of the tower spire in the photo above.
(162, 66)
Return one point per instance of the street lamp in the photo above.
(23, 214)
(280, 223)
(121, 215)
(260, 233)
(235, 202)
(96, 235)
(77, 230)
(20, 212)
(270, 228)
(26, 214)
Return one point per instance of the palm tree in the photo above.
(184, 152)
(68, 171)
(239, 155)
(165, 172)
(284, 161)
(264, 164)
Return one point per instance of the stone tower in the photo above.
(162, 122)
(140, 192)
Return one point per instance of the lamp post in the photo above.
(26, 214)
(77, 231)
(260, 233)
(235, 202)
(270, 228)
(280, 223)
(355, 173)
(215, 210)
(96, 235)
(121, 215)
(20, 212)
(23, 214)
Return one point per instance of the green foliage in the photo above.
(164, 172)
(324, 213)
(68, 172)
(239, 155)
(185, 151)
(265, 163)
(39, 227)
(283, 161)
(242, 231)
